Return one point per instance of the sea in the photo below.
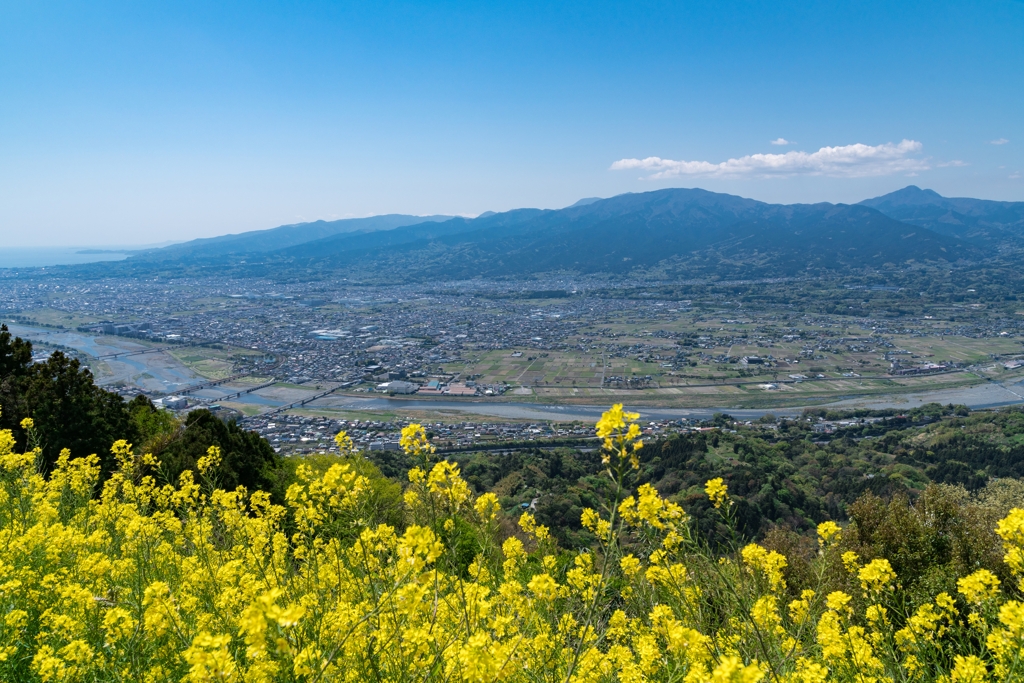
(37, 257)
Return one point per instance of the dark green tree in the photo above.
(155, 427)
(246, 457)
(68, 409)
(15, 354)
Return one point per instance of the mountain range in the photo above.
(285, 236)
(670, 233)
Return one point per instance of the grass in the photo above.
(206, 362)
(246, 409)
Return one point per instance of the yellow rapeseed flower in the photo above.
(851, 561)
(487, 506)
(414, 441)
(829, 532)
(970, 669)
(132, 579)
(731, 669)
(630, 565)
(543, 586)
(770, 562)
(620, 436)
(528, 523)
(800, 609)
(978, 587)
(877, 616)
(876, 576)
(838, 601)
(1011, 615)
(717, 491)
(210, 461)
(614, 420)
(446, 482)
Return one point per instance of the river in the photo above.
(160, 372)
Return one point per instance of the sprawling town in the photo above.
(291, 360)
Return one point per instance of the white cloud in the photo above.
(851, 161)
(781, 142)
(952, 162)
(1014, 176)
(1000, 141)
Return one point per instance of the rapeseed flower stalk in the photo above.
(717, 491)
(414, 442)
(344, 443)
(210, 461)
(129, 579)
(620, 436)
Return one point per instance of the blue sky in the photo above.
(140, 122)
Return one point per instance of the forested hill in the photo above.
(782, 473)
(666, 232)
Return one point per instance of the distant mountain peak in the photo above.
(915, 191)
(583, 202)
(982, 221)
(911, 194)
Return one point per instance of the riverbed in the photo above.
(989, 395)
(151, 372)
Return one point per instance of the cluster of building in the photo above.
(436, 387)
(823, 426)
(898, 368)
(386, 338)
(292, 434)
(295, 434)
(404, 339)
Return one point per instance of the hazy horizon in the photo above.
(69, 249)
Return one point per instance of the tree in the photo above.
(67, 408)
(15, 354)
(155, 427)
(246, 457)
